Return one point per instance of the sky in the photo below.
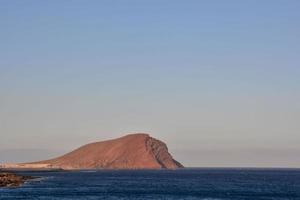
(218, 81)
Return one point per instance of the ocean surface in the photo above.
(200, 183)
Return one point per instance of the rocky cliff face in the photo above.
(135, 151)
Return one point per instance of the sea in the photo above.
(189, 184)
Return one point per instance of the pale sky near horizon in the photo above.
(218, 81)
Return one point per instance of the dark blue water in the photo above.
(206, 184)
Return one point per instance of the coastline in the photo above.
(9, 179)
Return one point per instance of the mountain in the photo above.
(134, 151)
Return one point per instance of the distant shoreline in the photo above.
(16, 170)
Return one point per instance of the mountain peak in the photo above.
(137, 135)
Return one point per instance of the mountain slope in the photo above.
(135, 151)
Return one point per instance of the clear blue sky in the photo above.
(219, 81)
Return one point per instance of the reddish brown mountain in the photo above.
(135, 151)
